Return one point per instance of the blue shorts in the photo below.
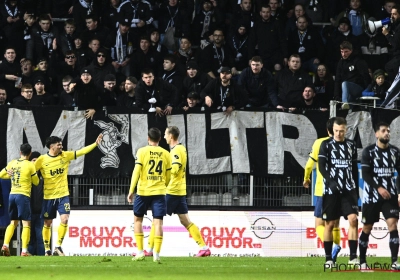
(51, 206)
(176, 204)
(318, 207)
(19, 207)
(155, 202)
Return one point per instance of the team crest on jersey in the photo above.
(61, 161)
(324, 216)
(46, 215)
(176, 156)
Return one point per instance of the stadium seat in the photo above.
(227, 199)
(213, 199)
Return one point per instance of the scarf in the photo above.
(119, 47)
(11, 14)
(87, 5)
(187, 54)
(206, 23)
(171, 22)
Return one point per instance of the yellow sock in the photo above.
(320, 232)
(26, 236)
(46, 232)
(157, 244)
(139, 241)
(195, 233)
(150, 242)
(9, 234)
(62, 230)
(336, 235)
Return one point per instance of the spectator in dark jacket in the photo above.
(83, 8)
(144, 57)
(128, 98)
(209, 18)
(86, 93)
(195, 81)
(67, 95)
(223, 93)
(108, 95)
(238, 44)
(66, 38)
(352, 76)
(155, 95)
(324, 84)
(259, 84)
(378, 87)
(100, 67)
(27, 98)
(291, 82)
(10, 71)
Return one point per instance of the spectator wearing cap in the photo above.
(307, 43)
(100, 67)
(238, 45)
(215, 55)
(260, 85)
(192, 101)
(94, 30)
(110, 16)
(42, 70)
(223, 93)
(67, 94)
(42, 96)
(66, 39)
(378, 86)
(145, 57)
(27, 97)
(108, 95)
(290, 83)
(44, 39)
(139, 15)
(120, 44)
(340, 34)
(309, 101)
(208, 19)
(195, 80)
(171, 75)
(128, 98)
(155, 95)
(156, 43)
(10, 70)
(86, 93)
(185, 54)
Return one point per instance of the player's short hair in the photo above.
(379, 124)
(52, 140)
(174, 131)
(329, 125)
(154, 134)
(25, 149)
(340, 121)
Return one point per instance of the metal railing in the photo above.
(219, 190)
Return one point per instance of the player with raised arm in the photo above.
(54, 169)
(23, 176)
(337, 162)
(378, 164)
(319, 188)
(151, 175)
(176, 192)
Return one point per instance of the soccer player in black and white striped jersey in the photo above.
(378, 164)
(337, 162)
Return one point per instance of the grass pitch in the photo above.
(119, 268)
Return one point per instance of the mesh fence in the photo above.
(221, 190)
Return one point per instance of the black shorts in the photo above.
(341, 204)
(371, 211)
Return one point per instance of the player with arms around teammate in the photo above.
(378, 165)
(151, 175)
(176, 192)
(319, 188)
(337, 162)
(23, 176)
(54, 169)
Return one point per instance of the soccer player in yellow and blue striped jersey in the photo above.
(176, 191)
(151, 176)
(319, 189)
(54, 169)
(23, 176)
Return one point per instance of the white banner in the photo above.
(235, 234)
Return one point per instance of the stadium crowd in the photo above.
(158, 55)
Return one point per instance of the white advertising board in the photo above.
(227, 233)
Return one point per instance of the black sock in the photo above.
(394, 244)
(328, 250)
(363, 246)
(353, 249)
